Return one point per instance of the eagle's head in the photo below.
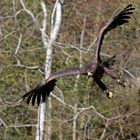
(90, 74)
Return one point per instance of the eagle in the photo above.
(95, 69)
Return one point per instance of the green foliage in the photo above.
(15, 79)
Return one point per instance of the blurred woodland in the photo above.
(85, 111)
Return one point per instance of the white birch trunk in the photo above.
(57, 13)
(74, 123)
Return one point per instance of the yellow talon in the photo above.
(109, 94)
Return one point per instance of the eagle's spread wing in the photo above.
(67, 72)
(44, 88)
(120, 18)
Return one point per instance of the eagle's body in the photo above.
(95, 70)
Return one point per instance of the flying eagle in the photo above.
(95, 70)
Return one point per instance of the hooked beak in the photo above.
(90, 74)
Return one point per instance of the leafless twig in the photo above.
(19, 42)
(28, 11)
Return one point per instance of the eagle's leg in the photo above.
(103, 87)
(115, 76)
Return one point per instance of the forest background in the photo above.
(77, 107)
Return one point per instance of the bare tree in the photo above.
(48, 41)
(21, 57)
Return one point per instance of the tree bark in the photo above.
(57, 15)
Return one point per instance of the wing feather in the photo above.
(120, 18)
(43, 89)
(111, 73)
(67, 72)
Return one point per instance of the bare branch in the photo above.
(40, 133)
(29, 12)
(3, 123)
(44, 24)
(129, 73)
(56, 25)
(62, 101)
(80, 52)
(19, 42)
(104, 131)
(22, 65)
(22, 125)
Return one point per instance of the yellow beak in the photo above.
(90, 74)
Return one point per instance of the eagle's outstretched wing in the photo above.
(67, 72)
(120, 18)
(44, 88)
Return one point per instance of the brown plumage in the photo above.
(119, 19)
(96, 69)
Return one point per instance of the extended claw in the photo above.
(122, 83)
(109, 94)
